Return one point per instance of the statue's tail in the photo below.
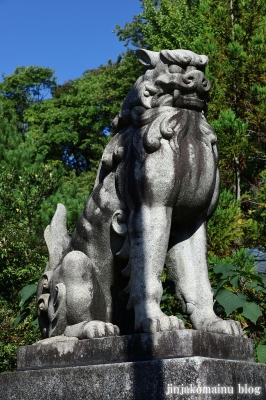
(58, 244)
(57, 238)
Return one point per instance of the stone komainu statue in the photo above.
(156, 187)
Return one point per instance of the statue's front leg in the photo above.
(187, 265)
(148, 230)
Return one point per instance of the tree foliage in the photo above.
(228, 226)
(74, 125)
(24, 88)
(239, 292)
(25, 182)
(52, 137)
(163, 24)
(233, 36)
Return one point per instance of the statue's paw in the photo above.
(218, 325)
(161, 323)
(98, 329)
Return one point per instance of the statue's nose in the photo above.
(196, 79)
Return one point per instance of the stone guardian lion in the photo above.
(157, 185)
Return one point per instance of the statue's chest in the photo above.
(196, 169)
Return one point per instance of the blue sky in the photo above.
(69, 36)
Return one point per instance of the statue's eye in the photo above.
(173, 69)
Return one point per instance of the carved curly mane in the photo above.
(167, 102)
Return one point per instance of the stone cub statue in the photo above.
(157, 185)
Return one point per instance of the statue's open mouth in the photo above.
(189, 101)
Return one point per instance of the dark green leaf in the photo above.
(261, 352)
(255, 277)
(225, 269)
(251, 284)
(263, 278)
(26, 293)
(251, 311)
(256, 287)
(235, 281)
(35, 323)
(229, 300)
(20, 318)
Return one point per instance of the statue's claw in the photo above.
(161, 323)
(218, 325)
(98, 329)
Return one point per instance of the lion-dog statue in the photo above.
(157, 185)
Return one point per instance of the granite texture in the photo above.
(68, 352)
(142, 380)
(157, 186)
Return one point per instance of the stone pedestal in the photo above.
(169, 365)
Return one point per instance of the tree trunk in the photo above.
(232, 19)
(237, 178)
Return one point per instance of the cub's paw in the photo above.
(161, 323)
(218, 325)
(98, 329)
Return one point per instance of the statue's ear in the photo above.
(148, 58)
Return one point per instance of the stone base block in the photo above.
(167, 365)
(187, 378)
(63, 351)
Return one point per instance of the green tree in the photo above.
(25, 184)
(227, 227)
(163, 24)
(254, 207)
(75, 124)
(25, 87)
(233, 36)
(235, 147)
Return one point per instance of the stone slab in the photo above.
(140, 381)
(63, 351)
